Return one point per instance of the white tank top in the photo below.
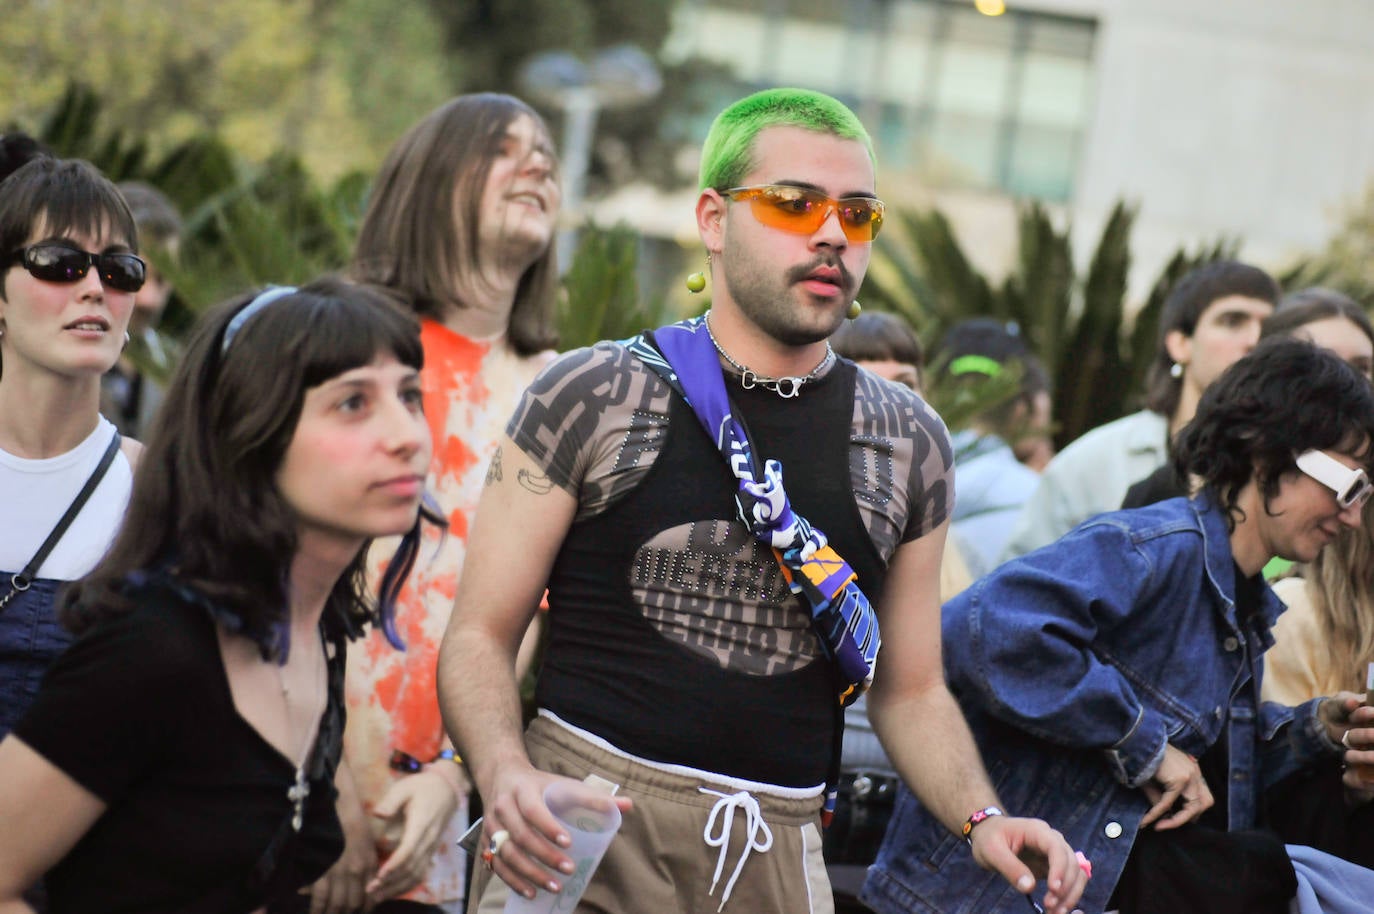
(34, 494)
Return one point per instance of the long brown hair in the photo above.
(205, 510)
(1340, 584)
(1340, 581)
(410, 240)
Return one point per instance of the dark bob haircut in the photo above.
(62, 197)
(205, 508)
(876, 336)
(1285, 397)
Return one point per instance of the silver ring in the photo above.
(498, 840)
(1345, 740)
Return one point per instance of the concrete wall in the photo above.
(1250, 118)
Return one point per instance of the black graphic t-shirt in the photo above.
(673, 633)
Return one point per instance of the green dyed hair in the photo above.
(727, 155)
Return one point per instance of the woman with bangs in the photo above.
(68, 273)
(180, 756)
(460, 229)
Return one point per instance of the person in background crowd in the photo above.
(131, 392)
(993, 483)
(1210, 319)
(1322, 316)
(884, 344)
(180, 755)
(1034, 445)
(70, 273)
(1330, 319)
(460, 229)
(1324, 641)
(17, 149)
(1151, 750)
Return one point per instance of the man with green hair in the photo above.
(703, 618)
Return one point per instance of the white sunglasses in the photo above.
(1351, 484)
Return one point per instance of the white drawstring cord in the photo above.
(754, 826)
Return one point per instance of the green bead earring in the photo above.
(855, 309)
(697, 281)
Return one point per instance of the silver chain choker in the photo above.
(785, 387)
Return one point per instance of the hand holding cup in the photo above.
(591, 825)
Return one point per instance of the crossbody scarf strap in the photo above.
(842, 616)
(682, 354)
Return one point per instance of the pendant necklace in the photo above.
(300, 788)
(785, 387)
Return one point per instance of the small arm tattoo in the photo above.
(494, 468)
(538, 484)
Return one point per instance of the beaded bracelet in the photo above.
(977, 818)
(449, 774)
(409, 764)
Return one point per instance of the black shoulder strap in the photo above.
(23, 579)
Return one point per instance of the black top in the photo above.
(139, 712)
(611, 670)
(1161, 485)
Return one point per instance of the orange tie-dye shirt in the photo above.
(470, 389)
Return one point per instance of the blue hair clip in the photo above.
(263, 299)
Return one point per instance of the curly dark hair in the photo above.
(1285, 397)
(205, 508)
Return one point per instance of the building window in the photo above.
(952, 97)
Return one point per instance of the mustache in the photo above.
(797, 274)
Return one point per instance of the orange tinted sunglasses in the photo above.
(802, 211)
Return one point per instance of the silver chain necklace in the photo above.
(785, 387)
(299, 791)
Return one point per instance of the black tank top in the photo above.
(622, 663)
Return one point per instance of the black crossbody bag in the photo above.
(23, 580)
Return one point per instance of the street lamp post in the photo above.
(619, 76)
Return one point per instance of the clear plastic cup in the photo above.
(591, 830)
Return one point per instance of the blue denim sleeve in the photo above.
(1024, 644)
(1291, 739)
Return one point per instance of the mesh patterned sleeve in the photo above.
(594, 421)
(901, 462)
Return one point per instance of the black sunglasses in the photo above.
(54, 262)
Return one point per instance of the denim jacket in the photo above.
(1075, 666)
